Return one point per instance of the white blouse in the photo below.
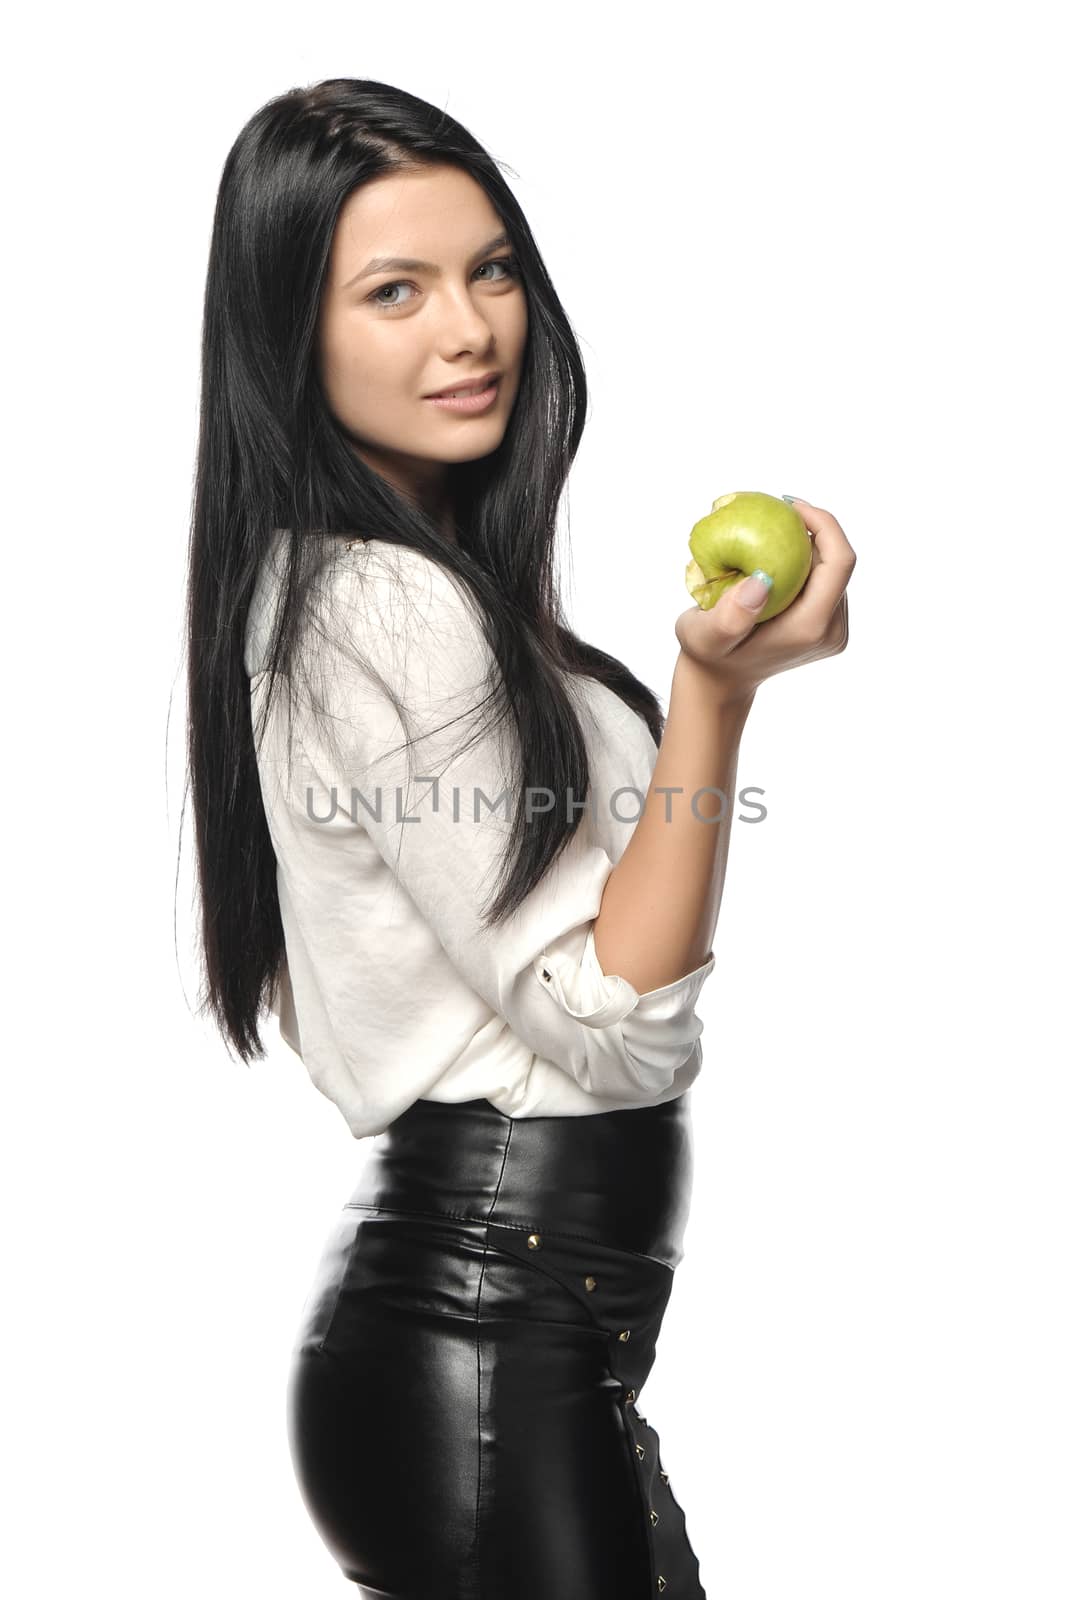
(391, 991)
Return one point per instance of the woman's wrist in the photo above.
(713, 686)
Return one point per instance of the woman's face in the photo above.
(391, 335)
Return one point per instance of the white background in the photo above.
(808, 249)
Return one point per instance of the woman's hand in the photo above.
(736, 656)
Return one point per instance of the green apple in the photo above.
(741, 532)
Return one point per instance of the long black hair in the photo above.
(271, 455)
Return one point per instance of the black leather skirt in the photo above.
(463, 1400)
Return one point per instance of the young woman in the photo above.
(416, 795)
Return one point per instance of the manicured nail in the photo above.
(788, 497)
(754, 590)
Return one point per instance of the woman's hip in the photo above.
(464, 1408)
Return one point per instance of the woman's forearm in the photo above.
(660, 905)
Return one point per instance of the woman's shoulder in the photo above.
(369, 568)
(370, 550)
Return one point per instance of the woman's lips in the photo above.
(480, 401)
(467, 386)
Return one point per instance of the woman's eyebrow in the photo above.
(409, 264)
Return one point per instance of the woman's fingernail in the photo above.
(788, 497)
(754, 590)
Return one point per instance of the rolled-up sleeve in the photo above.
(433, 815)
(659, 1027)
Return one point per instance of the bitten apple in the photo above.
(743, 531)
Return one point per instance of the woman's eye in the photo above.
(389, 305)
(385, 287)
